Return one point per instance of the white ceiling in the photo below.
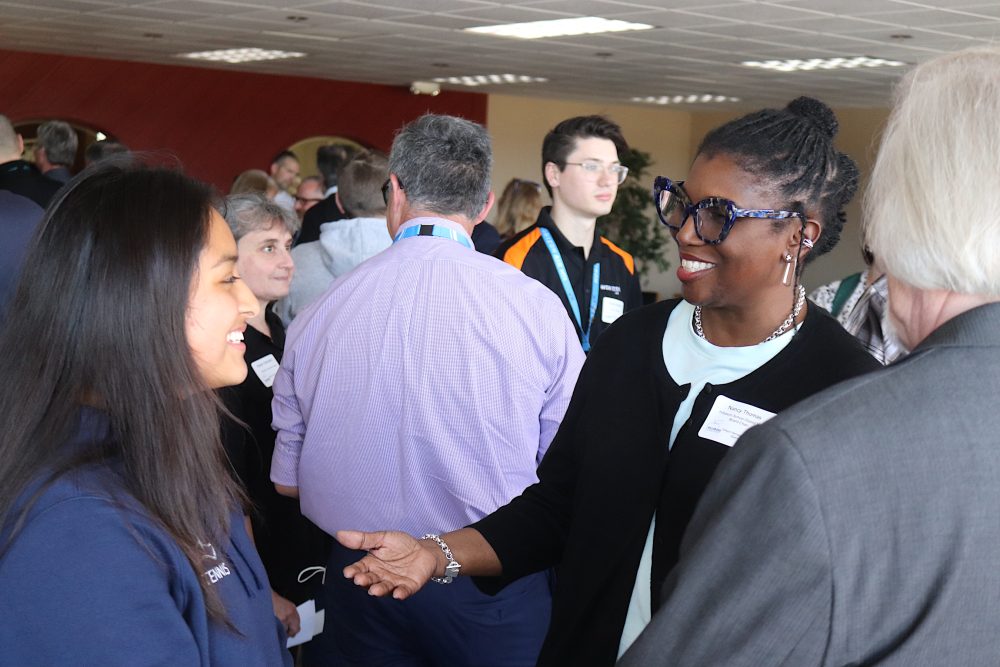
(695, 47)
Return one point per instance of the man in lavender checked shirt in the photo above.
(420, 393)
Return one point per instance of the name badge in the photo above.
(265, 368)
(729, 419)
(611, 309)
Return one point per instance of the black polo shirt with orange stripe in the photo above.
(619, 285)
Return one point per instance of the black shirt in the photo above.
(324, 211)
(286, 541)
(485, 237)
(23, 178)
(619, 285)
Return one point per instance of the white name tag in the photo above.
(265, 368)
(611, 309)
(729, 419)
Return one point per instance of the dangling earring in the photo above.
(788, 269)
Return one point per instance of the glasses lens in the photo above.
(711, 220)
(620, 172)
(671, 209)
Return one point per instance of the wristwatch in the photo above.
(452, 568)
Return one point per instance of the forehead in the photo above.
(310, 187)
(288, 163)
(220, 243)
(276, 232)
(593, 148)
(723, 176)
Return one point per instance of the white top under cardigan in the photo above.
(692, 360)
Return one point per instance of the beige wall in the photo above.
(518, 125)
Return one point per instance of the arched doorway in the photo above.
(85, 135)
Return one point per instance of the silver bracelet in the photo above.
(452, 568)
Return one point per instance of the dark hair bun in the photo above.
(817, 113)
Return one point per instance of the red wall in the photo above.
(218, 122)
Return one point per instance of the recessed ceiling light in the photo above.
(489, 79)
(822, 63)
(585, 25)
(236, 56)
(300, 35)
(703, 98)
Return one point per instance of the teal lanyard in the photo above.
(434, 230)
(557, 259)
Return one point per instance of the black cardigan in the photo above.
(607, 470)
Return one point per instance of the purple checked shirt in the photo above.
(421, 391)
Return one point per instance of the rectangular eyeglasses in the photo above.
(594, 168)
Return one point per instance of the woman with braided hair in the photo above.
(666, 391)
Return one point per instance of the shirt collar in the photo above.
(545, 220)
(440, 222)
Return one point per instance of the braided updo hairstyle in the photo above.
(793, 147)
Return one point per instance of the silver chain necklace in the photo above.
(785, 326)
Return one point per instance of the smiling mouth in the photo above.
(234, 337)
(694, 266)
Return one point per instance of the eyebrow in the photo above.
(225, 259)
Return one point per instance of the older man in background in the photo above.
(421, 391)
(860, 527)
(308, 194)
(284, 169)
(20, 176)
(55, 151)
(330, 160)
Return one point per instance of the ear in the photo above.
(20, 144)
(397, 207)
(486, 209)
(811, 230)
(552, 173)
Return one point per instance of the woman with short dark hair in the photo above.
(287, 542)
(121, 537)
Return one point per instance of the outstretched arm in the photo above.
(398, 564)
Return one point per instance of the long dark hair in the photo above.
(98, 319)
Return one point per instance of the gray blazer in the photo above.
(860, 526)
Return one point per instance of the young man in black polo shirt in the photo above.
(594, 278)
